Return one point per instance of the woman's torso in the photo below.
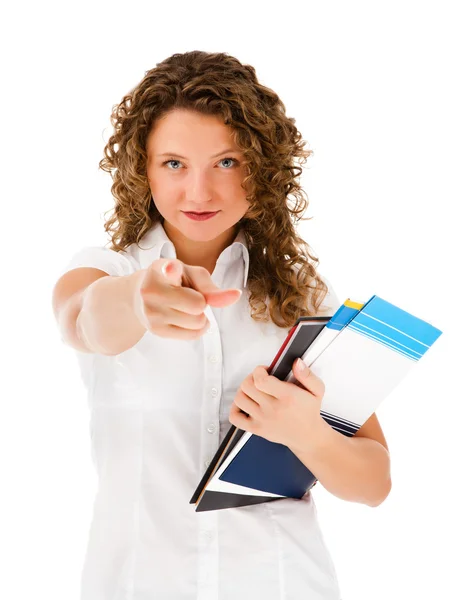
(159, 411)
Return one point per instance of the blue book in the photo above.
(348, 351)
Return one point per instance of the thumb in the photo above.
(300, 368)
(308, 379)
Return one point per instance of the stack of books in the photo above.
(361, 353)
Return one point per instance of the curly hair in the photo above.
(282, 276)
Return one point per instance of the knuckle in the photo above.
(195, 334)
(194, 301)
(148, 291)
(199, 299)
(151, 314)
(154, 320)
(256, 427)
(202, 319)
(202, 270)
(249, 382)
(278, 408)
(199, 307)
(147, 295)
(287, 399)
(194, 307)
(240, 394)
(259, 381)
(155, 329)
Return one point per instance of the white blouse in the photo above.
(159, 411)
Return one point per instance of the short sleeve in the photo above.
(115, 264)
(98, 257)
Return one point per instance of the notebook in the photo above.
(361, 353)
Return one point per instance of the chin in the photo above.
(205, 235)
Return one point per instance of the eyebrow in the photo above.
(184, 157)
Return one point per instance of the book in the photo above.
(361, 353)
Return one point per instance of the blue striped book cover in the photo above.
(362, 353)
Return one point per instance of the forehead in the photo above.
(188, 129)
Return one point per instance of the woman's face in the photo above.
(207, 179)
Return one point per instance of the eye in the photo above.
(174, 160)
(232, 159)
(171, 160)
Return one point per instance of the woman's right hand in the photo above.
(171, 297)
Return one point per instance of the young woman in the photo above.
(174, 327)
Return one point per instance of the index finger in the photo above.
(199, 279)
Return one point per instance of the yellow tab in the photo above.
(351, 304)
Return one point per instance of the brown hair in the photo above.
(280, 270)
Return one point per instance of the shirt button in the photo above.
(211, 428)
(213, 358)
(214, 392)
(208, 535)
(207, 463)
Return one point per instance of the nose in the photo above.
(198, 187)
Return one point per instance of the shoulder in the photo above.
(115, 263)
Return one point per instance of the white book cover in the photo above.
(362, 353)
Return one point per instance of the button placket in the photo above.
(213, 384)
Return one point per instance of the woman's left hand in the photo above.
(281, 411)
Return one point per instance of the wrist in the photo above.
(322, 438)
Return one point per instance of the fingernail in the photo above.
(300, 364)
(164, 267)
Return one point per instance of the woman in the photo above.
(173, 326)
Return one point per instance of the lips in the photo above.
(205, 216)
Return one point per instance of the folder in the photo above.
(361, 353)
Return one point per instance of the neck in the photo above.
(199, 254)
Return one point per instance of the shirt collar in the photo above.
(155, 244)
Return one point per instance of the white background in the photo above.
(368, 85)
